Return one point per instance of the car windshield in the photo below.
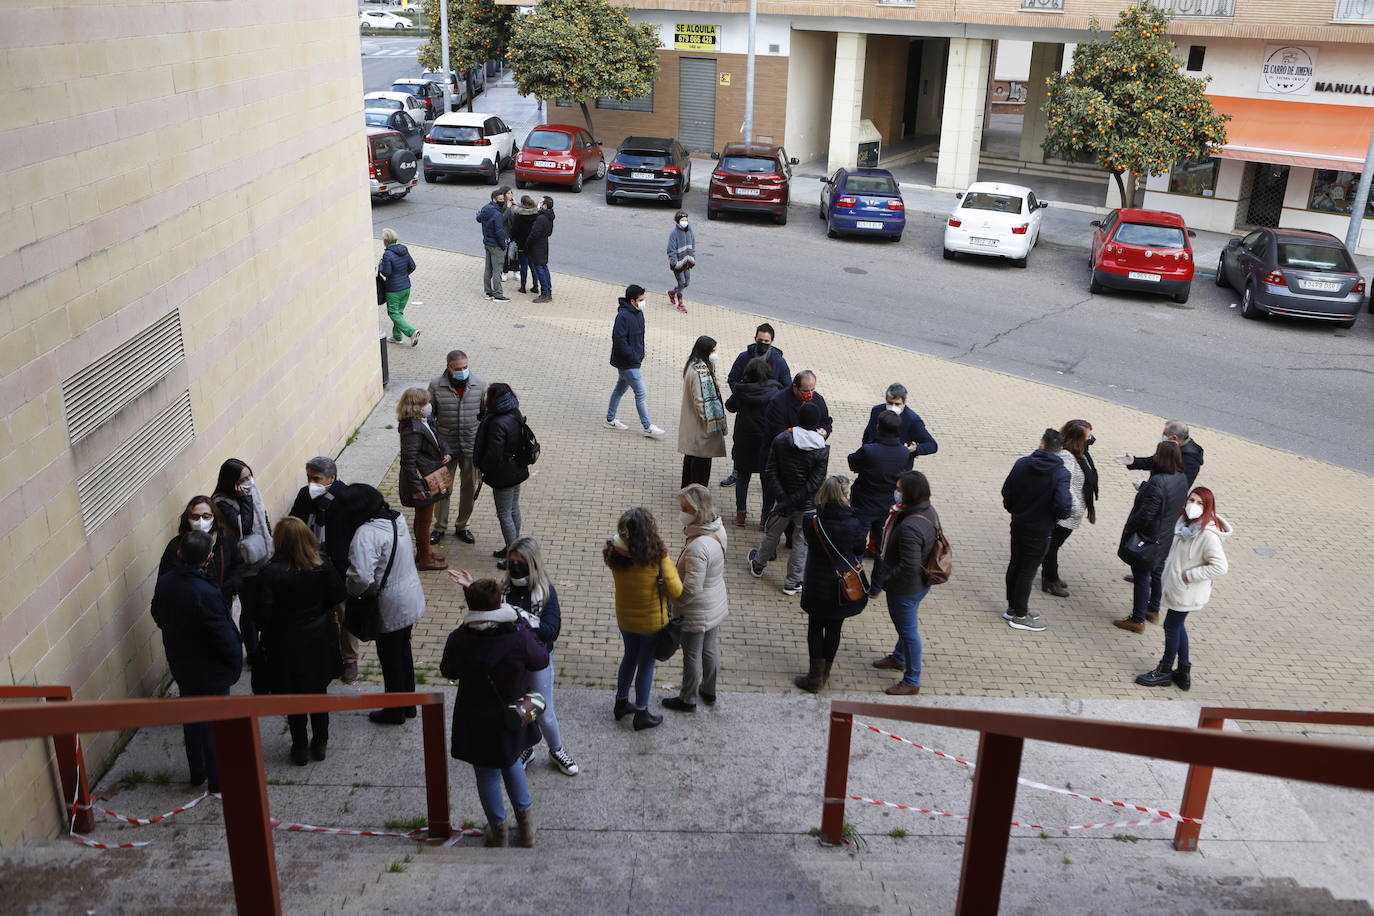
(999, 203)
(870, 184)
(1151, 236)
(386, 144)
(455, 132)
(749, 164)
(377, 119)
(553, 141)
(638, 158)
(407, 88)
(384, 103)
(1303, 256)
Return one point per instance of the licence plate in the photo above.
(455, 155)
(977, 241)
(1139, 275)
(747, 192)
(868, 224)
(545, 164)
(1321, 286)
(643, 175)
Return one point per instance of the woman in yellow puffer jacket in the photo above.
(639, 561)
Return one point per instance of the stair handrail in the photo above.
(71, 761)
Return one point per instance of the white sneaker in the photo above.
(791, 590)
(653, 432)
(415, 338)
(613, 423)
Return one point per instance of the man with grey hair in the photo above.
(913, 433)
(457, 395)
(312, 506)
(1174, 431)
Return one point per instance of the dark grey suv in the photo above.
(649, 168)
(1293, 272)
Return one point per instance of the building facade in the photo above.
(185, 276)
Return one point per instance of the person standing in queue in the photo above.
(701, 424)
(314, 504)
(1149, 532)
(1078, 438)
(646, 581)
(762, 348)
(1035, 495)
(422, 453)
(877, 465)
(499, 457)
(704, 603)
(457, 396)
(909, 538)
(835, 539)
(224, 565)
(912, 432)
(241, 503)
(748, 399)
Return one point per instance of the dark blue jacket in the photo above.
(204, 649)
(550, 614)
(627, 337)
(774, 357)
(1036, 493)
(782, 413)
(1192, 461)
(877, 465)
(913, 430)
(397, 265)
(493, 220)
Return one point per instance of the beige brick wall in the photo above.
(204, 157)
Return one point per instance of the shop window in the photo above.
(1197, 177)
(1333, 191)
(638, 103)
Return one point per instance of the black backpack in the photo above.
(527, 448)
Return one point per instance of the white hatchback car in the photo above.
(468, 143)
(1001, 220)
(378, 19)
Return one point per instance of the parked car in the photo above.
(1142, 250)
(397, 101)
(751, 178)
(994, 219)
(457, 87)
(1293, 272)
(862, 202)
(400, 122)
(649, 168)
(380, 19)
(391, 166)
(432, 94)
(559, 154)
(468, 143)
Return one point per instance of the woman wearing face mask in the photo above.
(1078, 438)
(908, 539)
(224, 566)
(496, 453)
(835, 536)
(1195, 559)
(704, 604)
(241, 504)
(701, 424)
(682, 257)
(422, 453)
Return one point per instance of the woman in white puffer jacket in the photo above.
(1195, 559)
(704, 603)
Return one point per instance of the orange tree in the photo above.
(478, 31)
(1126, 103)
(582, 50)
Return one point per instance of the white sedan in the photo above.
(1000, 220)
(378, 19)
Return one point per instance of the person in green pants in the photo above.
(395, 269)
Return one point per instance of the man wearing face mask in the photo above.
(682, 257)
(913, 433)
(312, 506)
(761, 348)
(457, 395)
(627, 355)
(877, 465)
(783, 413)
(1174, 431)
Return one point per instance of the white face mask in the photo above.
(427, 410)
(895, 408)
(639, 304)
(1164, 439)
(713, 357)
(521, 583)
(317, 490)
(682, 224)
(246, 486)
(1193, 511)
(202, 524)
(688, 518)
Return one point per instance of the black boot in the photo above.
(1159, 676)
(825, 675)
(622, 708)
(645, 719)
(812, 680)
(1183, 677)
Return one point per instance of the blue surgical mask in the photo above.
(459, 375)
(896, 497)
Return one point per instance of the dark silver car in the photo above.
(1293, 272)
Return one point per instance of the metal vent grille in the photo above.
(100, 390)
(105, 488)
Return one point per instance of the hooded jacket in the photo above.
(796, 467)
(458, 410)
(1198, 552)
(494, 450)
(1036, 493)
(537, 243)
(781, 372)
(522, 218)
(493, 220)
(704, 602)
(747, 401)
(396, 267)
(627, 337)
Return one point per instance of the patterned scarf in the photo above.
(711, 403)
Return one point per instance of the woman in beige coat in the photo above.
(701, 426)
(704, 604)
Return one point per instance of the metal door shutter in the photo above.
(696, 106)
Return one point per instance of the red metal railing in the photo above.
(238, 749)
(1199, 784)
(71, 763)
(1002, 735)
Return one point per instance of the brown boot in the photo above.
(1055, 587)
(1152, 616)
(902, 690)
(495, 835)
(1127, 623)
(814, 679)
(525, 819)
(888, 663)
(741, 519)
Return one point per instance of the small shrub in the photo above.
(897, 833)
(132, 779)
(409, 823)
(1126, 838)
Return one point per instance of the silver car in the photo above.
(1293, 272)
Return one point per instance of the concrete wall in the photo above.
(1235, 67)
(810, 79)
(200, 157)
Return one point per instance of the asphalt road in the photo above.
(1292, 385)
(387, 59)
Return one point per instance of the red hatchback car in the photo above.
(1142, 250)
(559, 154)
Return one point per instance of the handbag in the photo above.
(363, 613)
(941, 563)
(1136, 551)
(669, 639)
(438, 481)
(853, 580)
(523, 711)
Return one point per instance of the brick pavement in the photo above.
(1286, 626)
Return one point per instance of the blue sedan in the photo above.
(863, 202)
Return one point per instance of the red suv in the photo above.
(751, 178)
(559, 154)
(1142, 250)
(392, 169)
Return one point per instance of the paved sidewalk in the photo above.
(1286, 627)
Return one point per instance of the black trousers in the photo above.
(200, 742)
(1050, 568)
(696, 470)
(823, 638)
(319, 724)
(249, 601)
(1026, 553)
(398, 668)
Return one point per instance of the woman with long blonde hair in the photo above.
(422, 453)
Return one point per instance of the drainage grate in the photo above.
(105, 488)
(98, 391)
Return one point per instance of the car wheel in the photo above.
(521, 183)
(949, 255)
(601, 169)
(780, 218)
(1094, 287)
(820, 211)
(610, 201)
(712, 213)
(687, 182)
(495, 175)
(1020, 262)
(1370, 309)
(1248, 308)
(897, 237)
(577, 184)
(830, 232)
(1221, 272)
(1182, 297)
(675, 202)
(1346, 325)
(429, 178)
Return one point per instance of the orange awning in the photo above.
(1307, 134)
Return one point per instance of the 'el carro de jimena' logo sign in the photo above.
(1288, 70)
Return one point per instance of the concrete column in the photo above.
(961, 127)
(846, 102)
(1043, 63)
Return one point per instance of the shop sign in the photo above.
(1354, 11)
(1199, 9)
(1288, 70)
(1347, 88)
(693, 37)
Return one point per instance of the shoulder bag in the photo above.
(941, 563)
(669, 639)
(853, 579)
(363, 613)
(522, 712)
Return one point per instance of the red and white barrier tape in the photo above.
(145, 821)
(420, 833)
(964, 817)
(1154, 812)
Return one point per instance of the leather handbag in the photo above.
(669, 639)
(853, 579)
(363, 613)
(1136, 551)
(438, 481)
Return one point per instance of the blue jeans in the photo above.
(1147, 589)
(630, 378)
(541, 277)
(542, 683)
(526, 268)
(902, 609)
(1175, 638)
(489, 781)
(742, 490)
(637, 665)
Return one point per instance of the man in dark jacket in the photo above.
(877, 465)
(313, 505)
(627, 355)
(457, 396)
(1036, 493)
(537, 247)
(203, 647)
(796, 466)
(761, 348)
(784, 411)
(495, 238)
(1174, 431)
(912, 433)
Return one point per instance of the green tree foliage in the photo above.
(582, 50)
(478, 31)
(1126, 103)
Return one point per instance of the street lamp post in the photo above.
(443, 43)
(749, 74)
(1361, 202)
